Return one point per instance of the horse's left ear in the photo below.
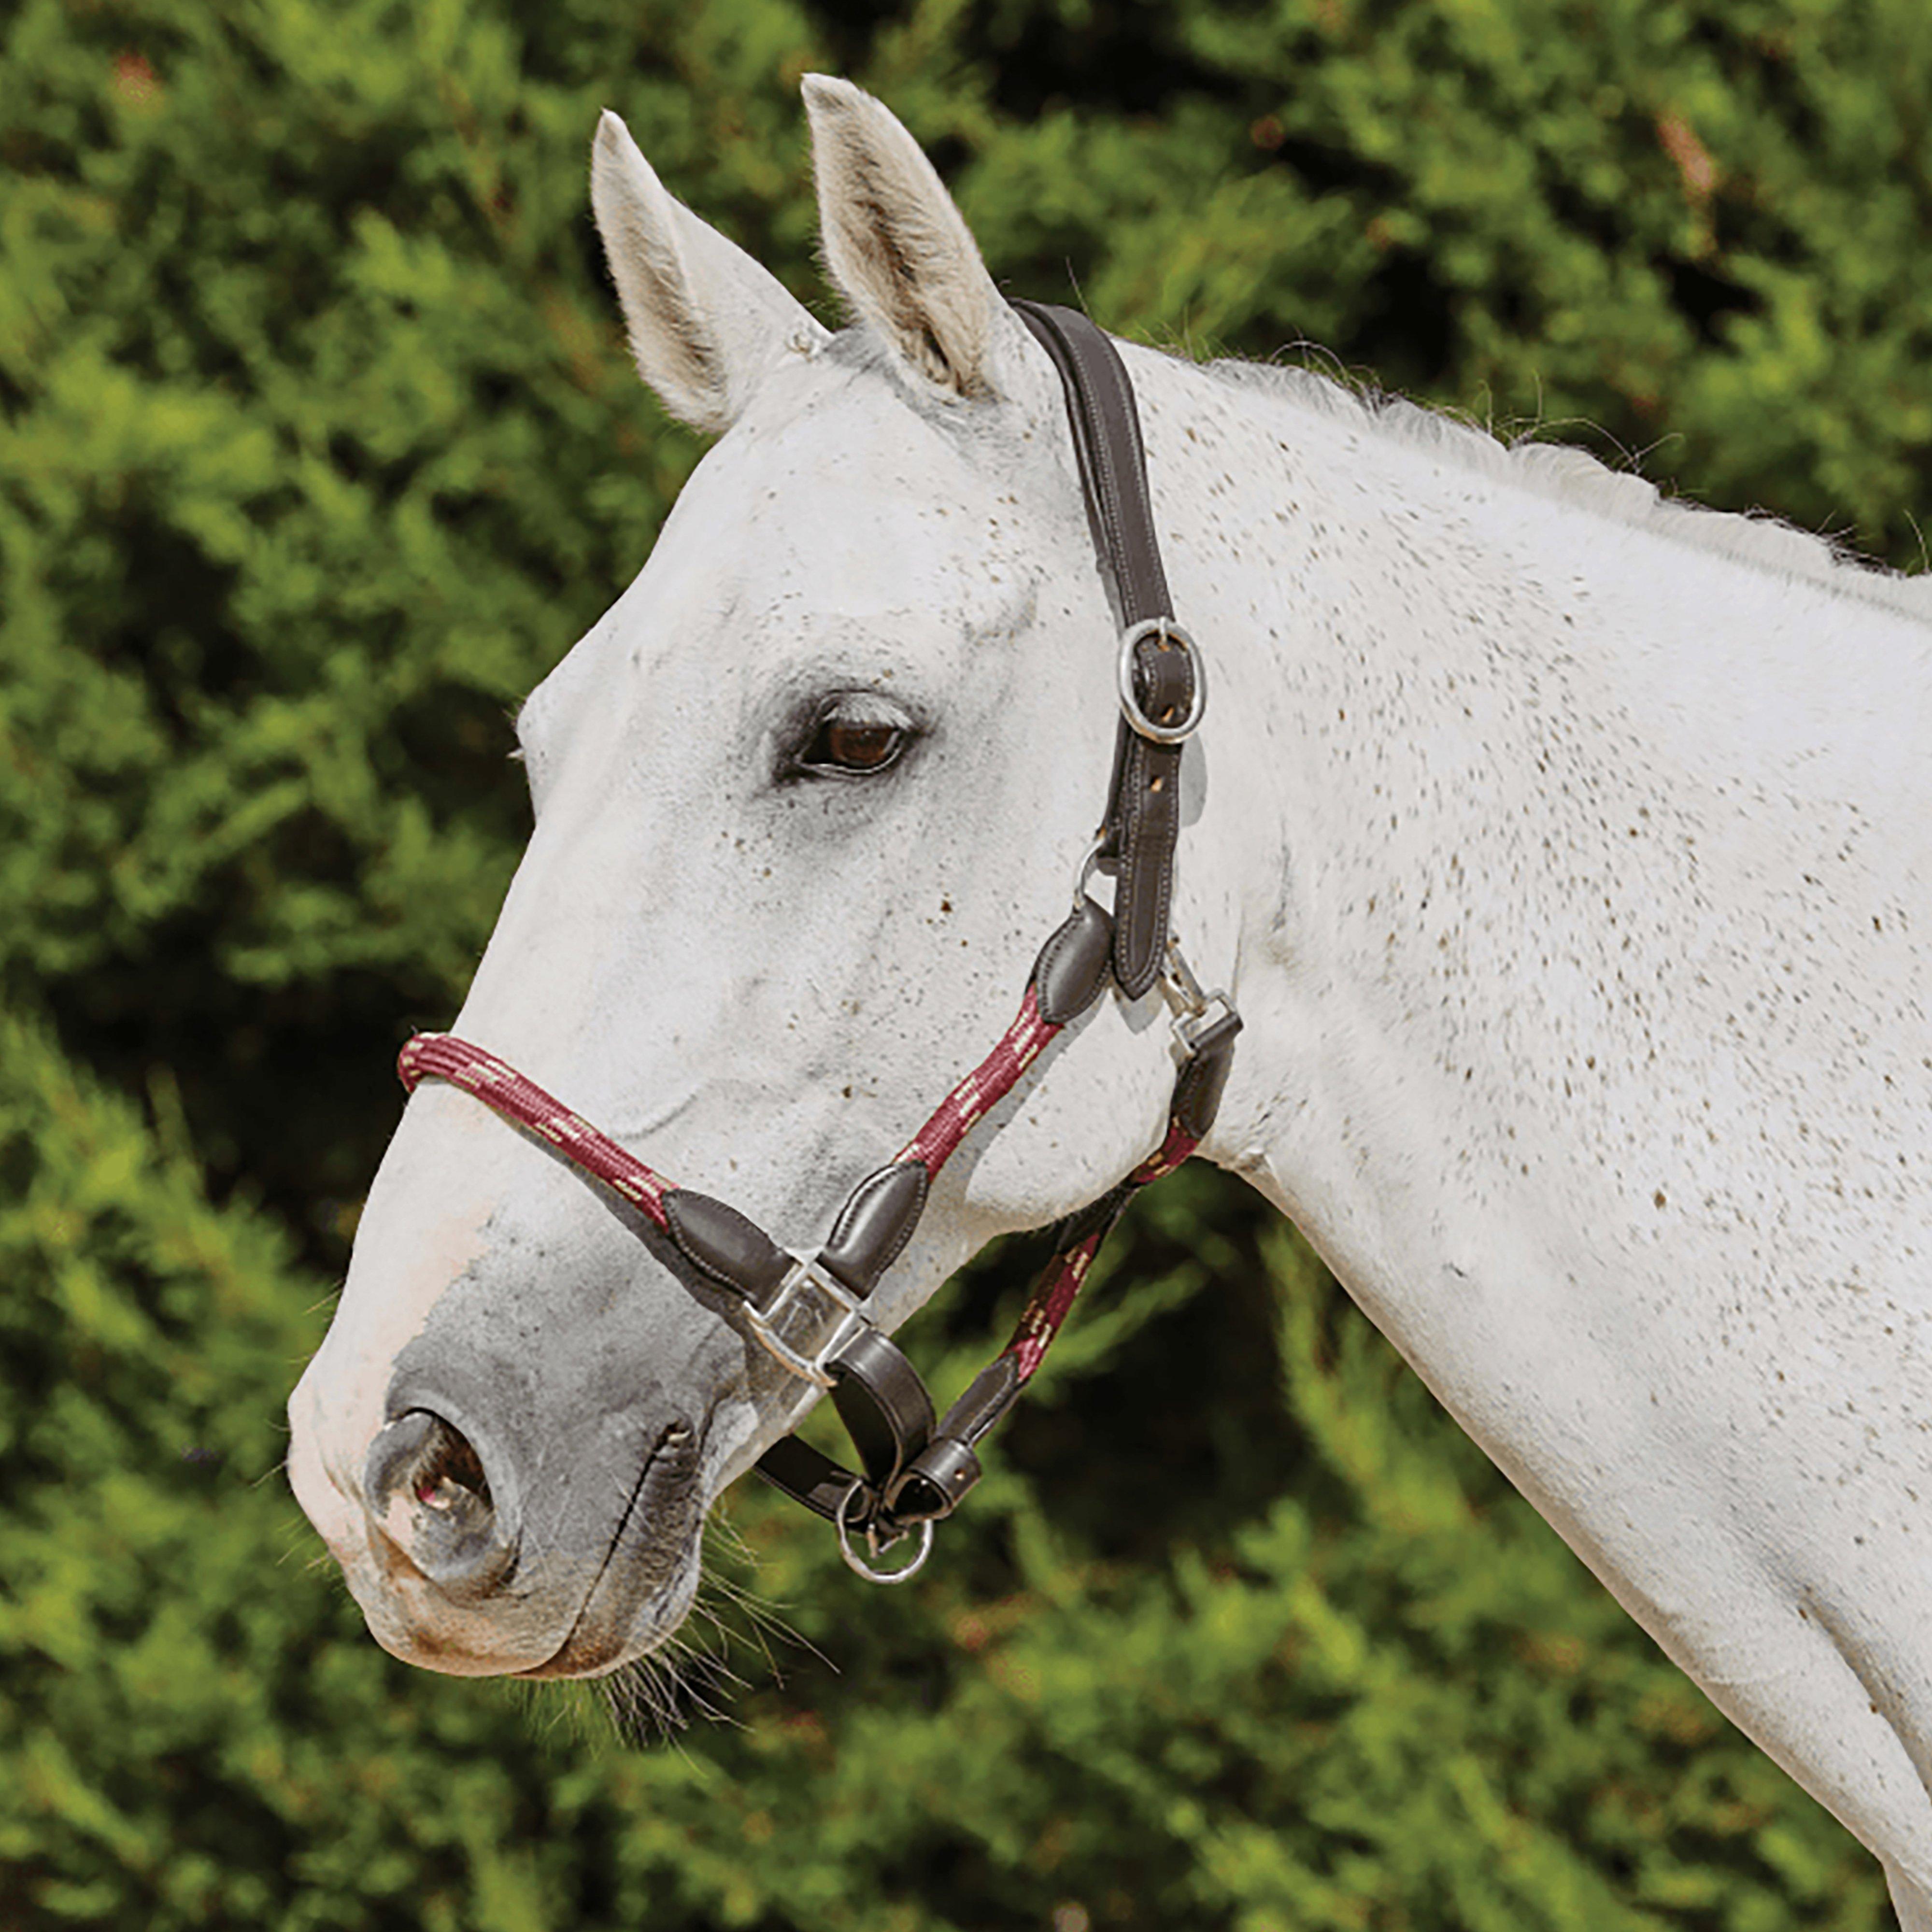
(706, 321)
(898, 249)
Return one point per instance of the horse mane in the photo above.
(1565, 474)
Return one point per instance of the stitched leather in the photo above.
(935, 1482)
(1143, 820)
(1197, 1094)
(1073, 964)
(882, 1404)
(1147, 803)
(876, 1222)
(723, 1246)
(808, 1476)
(988, 1397)
(1107, 443)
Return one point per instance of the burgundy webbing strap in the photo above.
(517, 1098)
(981, 1090)
(441, 1056)
(1052, 1297)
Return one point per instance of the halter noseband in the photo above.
(809, 1311)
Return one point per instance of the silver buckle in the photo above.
(1167, 629)
(1195, 1013)
(805, 1271)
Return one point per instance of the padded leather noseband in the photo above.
(810, 1312)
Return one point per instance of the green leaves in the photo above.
(318, 445)
(1386, 1694)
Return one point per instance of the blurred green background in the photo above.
(318, 447)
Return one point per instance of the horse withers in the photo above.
(1568, 852)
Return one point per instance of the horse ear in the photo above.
(899, 250)
(705, 320)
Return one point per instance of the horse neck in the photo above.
(1495, 767)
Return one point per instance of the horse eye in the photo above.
(852, 745)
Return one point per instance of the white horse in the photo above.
(1569, 852)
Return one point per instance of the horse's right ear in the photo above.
(902, 253)
(705, 320)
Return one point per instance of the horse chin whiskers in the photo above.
(650, 1698)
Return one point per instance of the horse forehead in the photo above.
(853, 488)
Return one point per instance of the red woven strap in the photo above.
(981, 1090)
(441, 1056)
(1052, 1298)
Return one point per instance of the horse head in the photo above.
(806, 801)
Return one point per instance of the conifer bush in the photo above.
(318, 446)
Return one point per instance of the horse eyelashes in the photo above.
(853, 737)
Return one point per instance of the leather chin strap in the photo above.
(810, 1313)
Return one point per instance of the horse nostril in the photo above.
(426, 1485)
(450, 1475)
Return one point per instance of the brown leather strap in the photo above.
(1143, 819)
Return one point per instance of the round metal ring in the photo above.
(1130, 704)
(855, 1561)
(1089, 862)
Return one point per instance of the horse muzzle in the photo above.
(511, 1435)
(469, 1558)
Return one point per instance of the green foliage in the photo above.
(318, 445)
(1389, 1696)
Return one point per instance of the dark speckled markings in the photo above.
(1569, 854)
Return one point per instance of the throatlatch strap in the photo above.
(1143, 819)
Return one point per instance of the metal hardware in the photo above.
(856, 1562)
(806, 1271)
(1196, 1013)
(1169, 632)
(1089, 864)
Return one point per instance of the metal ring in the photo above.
(1166, 628)
(855, 1561)
(1088, 863)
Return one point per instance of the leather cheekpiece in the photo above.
(723, 1246)
(875, 1223)
(1147, 801)
(1072, 967)
(1143, 818)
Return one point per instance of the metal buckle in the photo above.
(1170, 632)
(805, 1270)
(1197, 1014)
